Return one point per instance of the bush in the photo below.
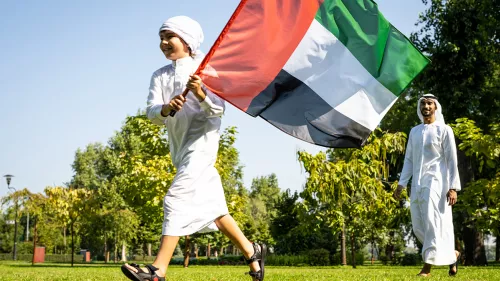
(25, 248)
(231, 260)
(383, 259)
(318, 257)
(410, 259)
(286, 260)
(359, 257)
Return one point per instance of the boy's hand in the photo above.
(175, 104)
(194, 85)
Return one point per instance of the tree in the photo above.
(351, 190)
(264, 193)
(88, 166)
(67, 205)
(463, 41)
(480, 200)
(17, 199)
(36, 205)
(267, 190)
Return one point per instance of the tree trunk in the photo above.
(115, 258)
(343, 259)
(497, 248)
(195, 250)
(149, 250)
(479, 250)
(353, 251)
(34, 241)
(208, 250)
(373, 246)
(72, 244)
(124, 251)
(187, 250)
(475, 253)
(64, 240)
(389, 248)
(105, 249)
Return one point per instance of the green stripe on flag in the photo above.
(382, 50)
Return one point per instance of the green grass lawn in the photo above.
(54, 272)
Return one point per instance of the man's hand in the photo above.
(194, 85)
(397, 192)
(452, 197)
(175, 104)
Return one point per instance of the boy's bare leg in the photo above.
(228, 226)
(167, 248)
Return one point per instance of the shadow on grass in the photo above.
(61, 265)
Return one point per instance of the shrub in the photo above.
(318, 257)
(410, 259)
(286, 260)
(359, 257)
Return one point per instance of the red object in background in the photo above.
(39, 255)
(86, 257)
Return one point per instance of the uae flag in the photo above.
(323, 71)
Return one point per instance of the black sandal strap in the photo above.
(137, 267)
(151, 268)
(256, 254)
(257, 275)
(143, 275)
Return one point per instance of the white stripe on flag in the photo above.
(323, 63)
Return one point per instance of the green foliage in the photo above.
(410, 259)
(359, 257)
(484, 147)
(481, 198)
(461, 38)
(352, 186)
(288, 260)
(318, 257)
(350, 191)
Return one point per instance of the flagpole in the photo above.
(215, 46)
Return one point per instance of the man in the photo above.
(431, 161)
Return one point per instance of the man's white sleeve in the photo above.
(407, 172)
(450, 154)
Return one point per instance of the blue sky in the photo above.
(71, 71)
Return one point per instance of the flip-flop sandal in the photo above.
(259, 255)
(450, 272)
(142, 275)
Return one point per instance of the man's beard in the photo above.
(428, 113)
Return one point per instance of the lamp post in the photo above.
(9, 178)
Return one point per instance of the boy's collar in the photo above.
(183, 61)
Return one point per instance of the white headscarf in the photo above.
(188, 29)
(438, 113)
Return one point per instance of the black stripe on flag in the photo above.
(297, 110)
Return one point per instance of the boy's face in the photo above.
(172, 46)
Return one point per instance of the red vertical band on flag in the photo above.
(254, 46)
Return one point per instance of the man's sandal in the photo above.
(142, 275)
(259, 255)
(450, 272)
